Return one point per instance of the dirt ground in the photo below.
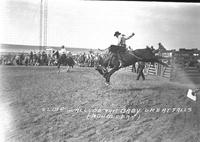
(38, 104)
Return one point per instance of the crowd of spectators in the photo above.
(45, 58)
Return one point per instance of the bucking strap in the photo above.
(132, 53)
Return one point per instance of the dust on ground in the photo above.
(46, 106)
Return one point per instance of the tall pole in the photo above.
(43, 24)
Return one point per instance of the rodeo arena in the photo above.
(116, 94)
(187, 60)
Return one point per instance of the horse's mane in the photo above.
(116, 48)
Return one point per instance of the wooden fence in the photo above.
(172, 72)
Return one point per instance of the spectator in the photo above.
(141, 66)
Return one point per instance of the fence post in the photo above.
(173, 69)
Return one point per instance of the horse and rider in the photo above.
(122, 43)
(119, 56)
(63, 58)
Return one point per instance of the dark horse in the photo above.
(64, 60)
(128, 57)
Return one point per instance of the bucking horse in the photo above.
(129, 58)
(64, 60)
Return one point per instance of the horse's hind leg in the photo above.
(58, 68)
(68, 68)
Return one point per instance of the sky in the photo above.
(92, 24)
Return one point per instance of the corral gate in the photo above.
(160, 70)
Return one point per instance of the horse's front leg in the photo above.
(109, 74)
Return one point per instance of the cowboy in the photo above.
(122, 43)
(63, 50)
(141, 66)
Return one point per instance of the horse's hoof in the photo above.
(107, 83)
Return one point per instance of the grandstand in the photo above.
(16, 48)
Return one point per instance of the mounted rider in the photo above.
(63, 51)
(122, 43)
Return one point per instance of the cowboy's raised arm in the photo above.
(130, 36)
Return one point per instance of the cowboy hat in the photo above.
(117, 33)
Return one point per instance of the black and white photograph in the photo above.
(99, 71)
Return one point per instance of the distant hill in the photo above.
(16, 48)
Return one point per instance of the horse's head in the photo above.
(56, 54)
(113, 48)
